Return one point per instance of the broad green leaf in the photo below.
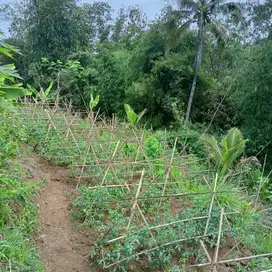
(47, 91)
(133, 117)
(93, 102)
(11, 93)
(34, 91)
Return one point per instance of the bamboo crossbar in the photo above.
(168, 224)
(165, 196)
(233, 260)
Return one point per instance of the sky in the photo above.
(150, 7)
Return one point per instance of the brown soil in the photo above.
(63, 247)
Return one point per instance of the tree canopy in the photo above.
(215, 54)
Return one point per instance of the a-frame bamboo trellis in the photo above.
(109, 155)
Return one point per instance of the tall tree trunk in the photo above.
(198, 62)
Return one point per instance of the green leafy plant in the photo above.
(18, 215)
(133, 117)
(93, 102)
(9, 73)
(230, 149)
(41, 95)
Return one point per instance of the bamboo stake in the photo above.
(136, 200)
(206, 252)
(72, 135)
(158, 226)
(169, 168)
(215, 259)
(109, 165)
(51, 123)
(211, 204)
(261, 182)
(143, 217)
(236, 244)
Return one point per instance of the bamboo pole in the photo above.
(233, 260)
(143, 217)
(206, 252)
(136, 200)
(211, 204)
(215, 259)
(169, 168)
(110, 163)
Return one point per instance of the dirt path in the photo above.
(63, 247)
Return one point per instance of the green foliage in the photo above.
(52, 28)
(231, 148)
(87, 53)
(133, 117)
(8, 73)
(41, 95)
(93, 102)
(17, 214)
(252, 98)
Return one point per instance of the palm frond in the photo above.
(212, 148)
(219, 31)
(234, 8)
(131, 115)
(187, 4)
(233, 146)
(224, 156)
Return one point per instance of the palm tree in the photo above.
(202, 13)
(225, 154)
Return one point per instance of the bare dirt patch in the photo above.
(63, 247)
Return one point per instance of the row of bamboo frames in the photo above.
(84, 133)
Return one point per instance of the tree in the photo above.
(129, 25)
(260, 20)
(252, 98)
(201, 13)
(48, 28)
(97, 17)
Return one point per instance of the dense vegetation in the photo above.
(128, 59)
(18, 215)
(200, 68)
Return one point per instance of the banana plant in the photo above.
(8, 72)
(93, 102)
(227, 152)
(41, 95)
(133, 117)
